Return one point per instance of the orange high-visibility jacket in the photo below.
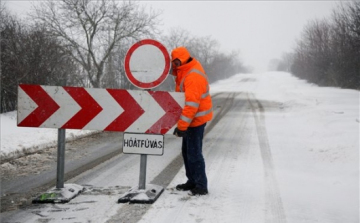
(191, 79)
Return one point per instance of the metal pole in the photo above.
(142, 177)
(60, 159)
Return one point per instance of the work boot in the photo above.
(198, 191)
(186, 186)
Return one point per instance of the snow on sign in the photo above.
(119, 110)
(147, 64)
(149, 144)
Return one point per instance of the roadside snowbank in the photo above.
(18, 141)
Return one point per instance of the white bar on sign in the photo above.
(149, 144)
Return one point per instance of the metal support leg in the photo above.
(62, 193)
(142, 177)
(60, 159)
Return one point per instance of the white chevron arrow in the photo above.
(153, 111)
(68, 107)
(25, 106)
(111, 109)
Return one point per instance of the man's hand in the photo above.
(179, 133)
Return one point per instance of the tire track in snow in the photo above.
(274, 207)
(224, 166)
(225, 108)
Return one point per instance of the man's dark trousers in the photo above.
(193, 158)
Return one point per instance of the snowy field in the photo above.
(17, 141)
(313, 134)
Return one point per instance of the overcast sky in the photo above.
(260, 30)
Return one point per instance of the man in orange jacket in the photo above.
(191, 79)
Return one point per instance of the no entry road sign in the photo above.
(147, 64)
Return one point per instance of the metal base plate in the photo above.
(59, 195)
(147, 196)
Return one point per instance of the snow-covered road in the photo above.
(242, 181)
(278, 150)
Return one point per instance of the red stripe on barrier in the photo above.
(89, 108)
(172, 115)
(132, 110)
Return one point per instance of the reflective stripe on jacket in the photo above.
(192, 80)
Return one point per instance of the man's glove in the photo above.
(179, 133)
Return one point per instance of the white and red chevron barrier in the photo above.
(99, 109)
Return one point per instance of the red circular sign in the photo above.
(140, 83)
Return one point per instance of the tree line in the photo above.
(84, 43)
(328, 52)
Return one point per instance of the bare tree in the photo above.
(286, 61)
(91, 30)
(217, 65)
(116, 77)
(204, 49)
(30, 56)
(346, 44)
(2, 8)
(329, 50)
(314, 56)
(224, 65)
(176, 37)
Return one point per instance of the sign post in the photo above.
(142, 176)
(147, 65)
(60, 159)
(62, 193)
